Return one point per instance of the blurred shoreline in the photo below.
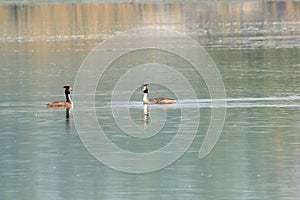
(258, 23)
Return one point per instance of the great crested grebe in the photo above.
(63, 104)
(156, 100)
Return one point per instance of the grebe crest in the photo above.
(160, 100)
(63, 104)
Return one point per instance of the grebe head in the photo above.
(144, 88)
(68, 89)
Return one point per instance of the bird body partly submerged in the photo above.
(161, 100)
(59, 104)
(63, 104)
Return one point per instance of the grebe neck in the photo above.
(145, 98)
(68, 98)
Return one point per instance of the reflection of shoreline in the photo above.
(206, 18)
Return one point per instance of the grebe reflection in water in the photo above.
(146, 114)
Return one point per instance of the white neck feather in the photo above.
(145, 98)
(69, 96)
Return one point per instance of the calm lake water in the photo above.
(256, 47)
